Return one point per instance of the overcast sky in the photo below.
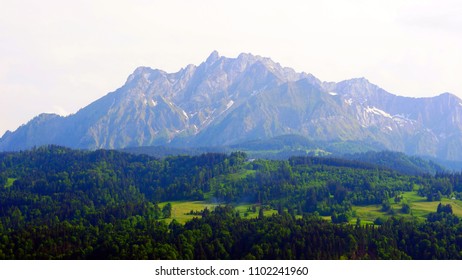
(59, 56)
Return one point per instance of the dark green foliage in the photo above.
(3, 180)
(167, 210)
(444, 208)
(379, 221)
(386, 206)
(261, 213)
(340, 218)
(67, 204)
(223, 235)
(444, 215)
(398, 161)
(405, 208)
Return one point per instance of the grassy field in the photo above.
(427, 207)
(245, 213)
(420, 208)
(368, 213)
(9, 182)
(181, 209)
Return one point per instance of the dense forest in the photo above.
(57, 203)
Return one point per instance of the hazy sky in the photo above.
(58, 56)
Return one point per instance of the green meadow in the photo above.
(420, 208)
(181, 210)
(9, 182)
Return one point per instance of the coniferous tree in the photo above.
(167, 210)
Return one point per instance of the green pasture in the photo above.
(368, 213)
(420, 208)
(245, 211)
(423, 208)
(181, 210)
(242, 174)
(9, 182)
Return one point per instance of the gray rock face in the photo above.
(225, 101)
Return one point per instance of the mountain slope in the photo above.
(226, 101)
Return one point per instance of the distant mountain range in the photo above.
(230, 101)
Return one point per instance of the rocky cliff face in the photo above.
(230, 100)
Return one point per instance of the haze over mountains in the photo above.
(227, 101)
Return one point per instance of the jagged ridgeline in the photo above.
(230, 101)
(58, 203)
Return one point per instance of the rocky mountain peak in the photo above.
(362, 91)
(230, 100)
(140, 72)
(356, 83)
(448, 96)
(213, 57)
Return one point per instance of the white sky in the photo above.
(59, 56)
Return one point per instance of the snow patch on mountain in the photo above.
(377, 111)
(230, 104)
(184, 114)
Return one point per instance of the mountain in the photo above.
(227, 101)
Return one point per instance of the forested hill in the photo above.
(277, 149)
(398, 161)
(57, 203)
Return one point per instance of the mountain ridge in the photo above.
(225, 101)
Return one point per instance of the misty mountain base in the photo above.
(58, 203)
(230, 101)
